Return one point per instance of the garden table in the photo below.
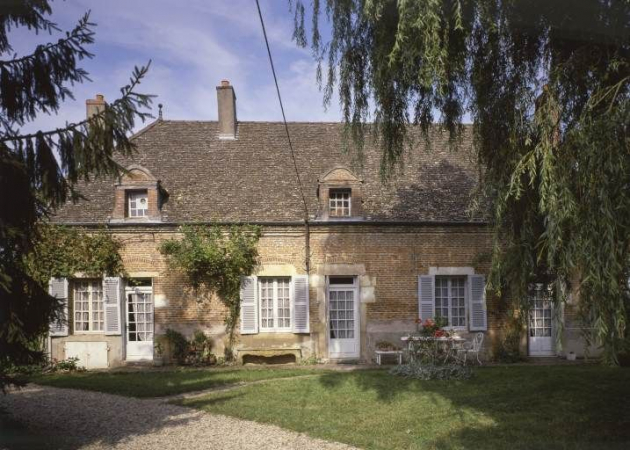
(428, 347)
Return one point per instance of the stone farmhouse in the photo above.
(379, 255)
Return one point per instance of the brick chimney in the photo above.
(94, 106)
(226, 101)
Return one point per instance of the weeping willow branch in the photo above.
(546, 86)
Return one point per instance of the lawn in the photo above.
(516, 407)
(164, 382)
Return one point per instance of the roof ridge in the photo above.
(140, 132)
(279, 122)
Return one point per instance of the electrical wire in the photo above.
(284, 118)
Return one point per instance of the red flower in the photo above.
(419, 320)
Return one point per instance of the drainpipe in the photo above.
(307, 246)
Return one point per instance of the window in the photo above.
(339, 202)
(88, 306)
(275, 304)
(450, 300)
(138, 204)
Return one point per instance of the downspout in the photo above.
(307, 245)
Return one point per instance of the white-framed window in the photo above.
(137, 204)
(450, 300)
(89, 312)
(275, 303)
(339, 202)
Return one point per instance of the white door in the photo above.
(343, 318)
(139, 325)
(541, 322)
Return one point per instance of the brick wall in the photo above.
(392, 256)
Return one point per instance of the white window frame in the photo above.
(337, 203)
(90, 310)
(135, 197)
(275, 316)
(450, 278)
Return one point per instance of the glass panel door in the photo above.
(343, 318)
(139, 333)
(140, 317)
(541, 321)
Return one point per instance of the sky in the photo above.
(193, 45)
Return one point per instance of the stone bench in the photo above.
(380, 353)
(268, 353)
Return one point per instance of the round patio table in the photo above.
(429, 347)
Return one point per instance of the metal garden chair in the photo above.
(472, 347)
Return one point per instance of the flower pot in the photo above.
(571, 356)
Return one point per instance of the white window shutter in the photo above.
(426, 297)
(58, 287)
(300, 319)
(249, 305)
(478, 313)
(112, 302)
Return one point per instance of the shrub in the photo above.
(66, 365)
(432, 372)
(178, 345)
(197, 351)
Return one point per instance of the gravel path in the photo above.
(74, 419)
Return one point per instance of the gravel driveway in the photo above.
(73, 419)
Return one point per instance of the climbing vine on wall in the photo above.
(214, 259)
(62, 251)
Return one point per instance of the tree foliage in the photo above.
(39, 171)
(547, 86)
(214, 259)
(62, 251)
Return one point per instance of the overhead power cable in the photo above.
(284, 118)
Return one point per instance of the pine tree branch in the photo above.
(128, 93)
(36, 82)
(80, 33)
(29, 15)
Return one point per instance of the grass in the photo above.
(516, 407)
(164, 382)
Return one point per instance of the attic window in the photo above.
(339, 202)
(138, 204)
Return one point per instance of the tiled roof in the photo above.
(252, 178)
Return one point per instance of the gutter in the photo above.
(379, 223)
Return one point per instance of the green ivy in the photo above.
(62, 251)
(214, 259)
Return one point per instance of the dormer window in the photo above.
(339, 202)
(138, 204)
(139, 197)
(339, 193)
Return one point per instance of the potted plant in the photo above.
(433, 328)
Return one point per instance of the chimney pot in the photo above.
(226, 102)
(100, 97)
